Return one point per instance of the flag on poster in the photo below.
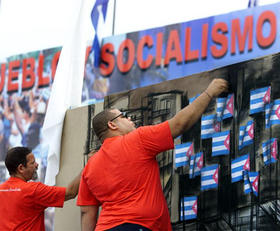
(191, 170)
(209, 126)
(270, 150)
(98, 17)
(189, 208)
(251, 182)
(246, 134)
(258, 98)
(209, 177)
(66, 89)
(196, 164)
(221, 143)
(183, 153)
(238, 166)
(225, 107)
(272, 113)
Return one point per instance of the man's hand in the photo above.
(216, 87)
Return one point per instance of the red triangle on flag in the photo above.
(230, 105)
(277, 112)
(200, 162)
(215, 176)
(247, 164)
(255, 184)
(251, 131)
(273, 149)
(194, 207)
(226, 142)
(190, 151)
(266, 98)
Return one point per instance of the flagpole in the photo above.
(114, 18)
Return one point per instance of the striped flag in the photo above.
(183, 153)
(209, 177)
(225, 107)
(238, 166)
(246, 134)
(189, 208)
(258, 98)
(196, 164)
(221, 143)
(251, 182)
(272, 113)
(209, 126)
(98, 16)
(270, 150)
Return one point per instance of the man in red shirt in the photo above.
(123, 176)
(22, 203)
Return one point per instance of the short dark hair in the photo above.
(16, 156)
(99, 122)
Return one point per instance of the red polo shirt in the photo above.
(22, 204)
(123, 177)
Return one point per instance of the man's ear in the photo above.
(112, 125)
(20, 168)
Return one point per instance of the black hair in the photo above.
(16, 156)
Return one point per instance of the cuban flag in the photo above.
(98, 16)
(221, 143)
(238, 166)
(209, 177)
(225, 107)
(183, 152)
(251, 182)
(209, 126)
(258, 98)
(189, 208)
(196, 164)
(272, 113)
(270, 150)
(246, 134)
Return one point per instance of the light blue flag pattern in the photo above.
(238, 166)
(189, 208)
(183, 152)
(221, 143)
(251, 182)
(98, 13)
(272, 113)
(209, 177)
(209, 126)
(246, 134)
(225, 107)
(270, 150)
(258, 98)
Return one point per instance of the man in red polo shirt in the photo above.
(123, 176)
(22, 203)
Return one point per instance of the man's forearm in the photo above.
(189, 115)
(73, 188)
(186, 118)
(89, 216)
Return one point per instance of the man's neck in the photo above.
(16, 175)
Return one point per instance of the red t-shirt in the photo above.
(22, 204)
(123, 177)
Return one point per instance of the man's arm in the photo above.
(89, 217)
(73, 188)
(186, 118)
